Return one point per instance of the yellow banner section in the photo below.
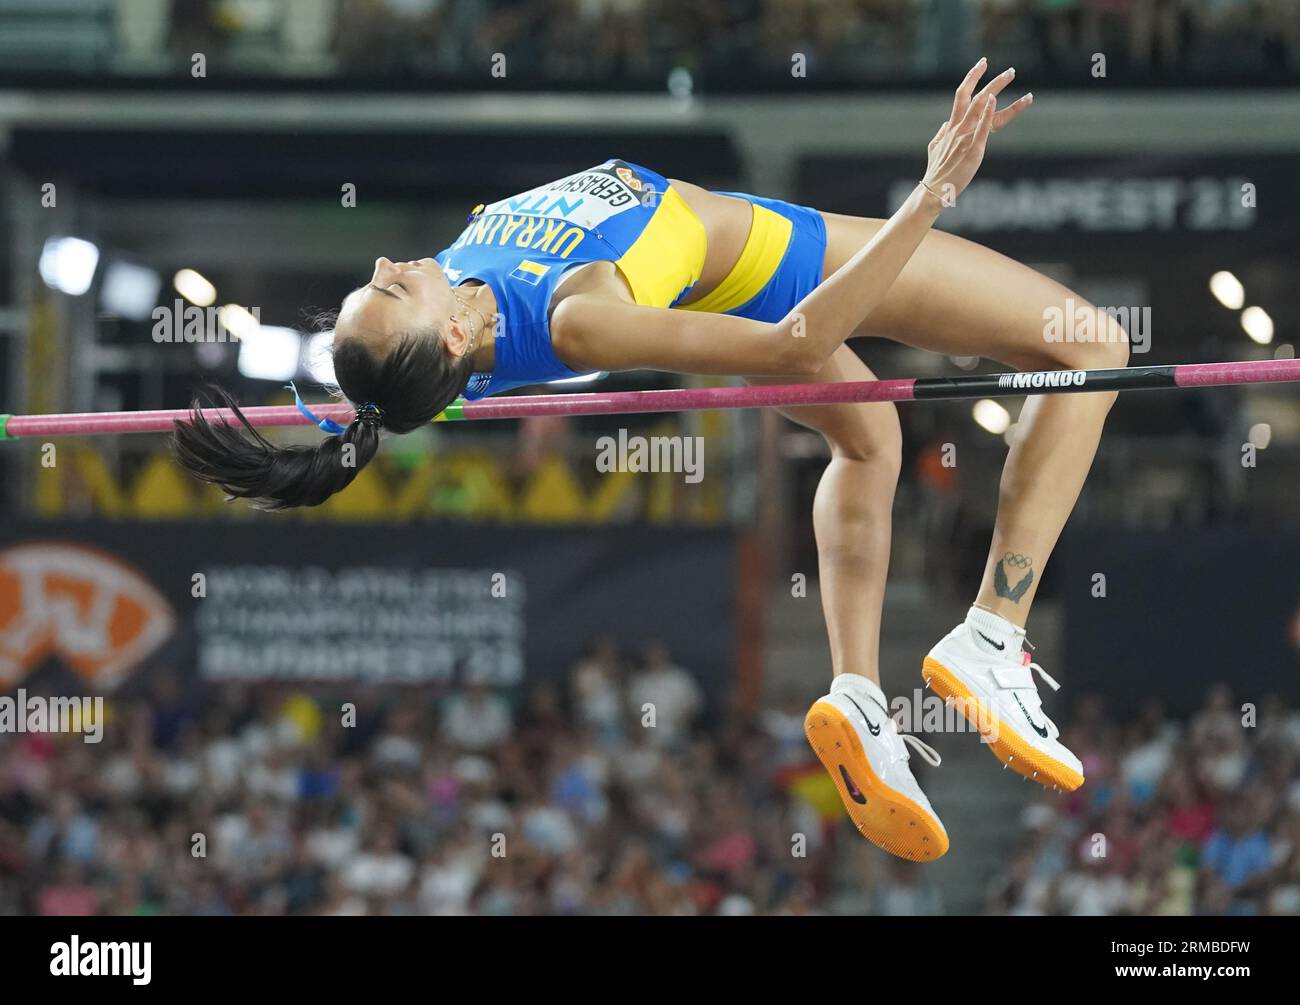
(472, 484)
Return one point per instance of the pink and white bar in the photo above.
(1193, 375)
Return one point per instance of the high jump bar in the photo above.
(993, 385)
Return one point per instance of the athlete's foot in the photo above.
(859, 745)
(982, 668)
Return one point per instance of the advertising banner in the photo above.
(335, 602)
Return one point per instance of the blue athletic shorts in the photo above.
(798, 270)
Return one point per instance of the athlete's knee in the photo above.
(868, 433)
(1118, 350)
(1111, 350)
(1095, 340)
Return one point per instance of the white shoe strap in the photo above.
(1046, 676)
(927, 752)
(1013, 678)
(1022, 677)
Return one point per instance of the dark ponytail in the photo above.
(411, 385)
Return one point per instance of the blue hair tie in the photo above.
(327, 425)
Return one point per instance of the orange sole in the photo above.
(1007, 745)
(883, 816)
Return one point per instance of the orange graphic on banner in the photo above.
(98, 614)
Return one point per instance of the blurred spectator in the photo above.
(477, 719)
(597, 690)
(671, 691)
(67, 894)
(907, 893)
(1238, 852)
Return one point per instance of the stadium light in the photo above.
(317, 359)
(1257, 324)
(68, 264)
(129, 291)
(1227, 289)
(195, 288)
(270, 353)
(239, 321)
(991, 416)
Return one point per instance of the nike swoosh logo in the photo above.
(851, 787)
(875, 730)
(999, 646)
(1040, 730)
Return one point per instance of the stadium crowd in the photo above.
(1176, 818)
(599, 796)
(729, 40)
(270, 800)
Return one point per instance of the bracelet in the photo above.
(933, 193)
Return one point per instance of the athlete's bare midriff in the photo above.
(726, 221)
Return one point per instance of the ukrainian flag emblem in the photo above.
(530, 272)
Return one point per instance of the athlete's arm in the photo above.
(595, 332)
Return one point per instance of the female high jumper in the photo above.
(620, 268)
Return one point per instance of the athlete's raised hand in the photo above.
(957, 149)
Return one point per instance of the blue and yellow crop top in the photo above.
(523, 245)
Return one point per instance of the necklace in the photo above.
(474, 335)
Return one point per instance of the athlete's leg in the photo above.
(958, 298)
(852, 513)
(850, 728)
